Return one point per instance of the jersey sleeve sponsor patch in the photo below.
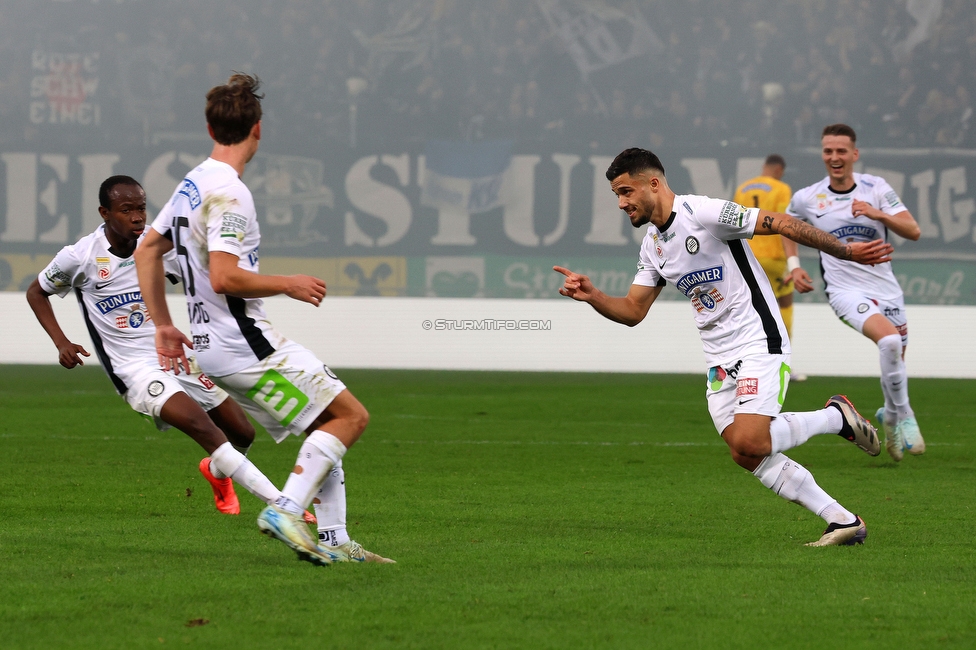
(892, 199)
(233, 225)
(732, 214)
(56, 277)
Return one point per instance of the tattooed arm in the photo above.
(794, 230)
(874, 252)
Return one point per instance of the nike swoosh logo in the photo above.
(746, 401)
(100, 285)
(663, 263)
(821, 215)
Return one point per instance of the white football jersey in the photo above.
(700, 251)
(830, 211)
(107, 288)
(212, 210)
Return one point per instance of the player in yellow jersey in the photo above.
(768, 192)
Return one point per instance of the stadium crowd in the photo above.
(713, 71)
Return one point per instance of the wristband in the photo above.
(792, 263)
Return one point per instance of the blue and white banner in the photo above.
(465, 176)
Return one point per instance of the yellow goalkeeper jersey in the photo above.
(766, 193)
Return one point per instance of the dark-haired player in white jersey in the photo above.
(212, 224)
(101, 271)
(857, 208)
(695, 243)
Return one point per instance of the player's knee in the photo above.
(744, 444)
(746, 462)
(890, 345)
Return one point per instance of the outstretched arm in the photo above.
(149, 267)
(629, 310)
(873, 252)
(795, 231)
(40, 302)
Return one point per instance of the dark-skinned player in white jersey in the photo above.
(695, 243)
(99, 268)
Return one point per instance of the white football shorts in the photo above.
(150, 387)
(754, 384)
(285, 391)
(855, 308)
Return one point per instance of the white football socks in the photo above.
(216, 470)
(229, 462)
(795, 483)
(320, 452)
(330, 508)
(894, 377)
(788, 430)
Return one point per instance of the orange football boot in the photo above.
(223, 488)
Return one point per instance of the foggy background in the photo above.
(457, 147)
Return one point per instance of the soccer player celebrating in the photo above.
(859, 208)
(101, 270)
(212, 224)
(695, 243)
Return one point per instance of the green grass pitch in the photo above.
(525, 510)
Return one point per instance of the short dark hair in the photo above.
(776, 159)
(234, 108)
(839, 129)
(633, 161)
(109, 184)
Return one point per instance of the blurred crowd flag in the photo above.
(465, 175)
(597, 35)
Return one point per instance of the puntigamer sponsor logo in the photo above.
(114, 302)
(687, 282)
(855, 231)
(190, 191)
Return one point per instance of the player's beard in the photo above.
(642, 216)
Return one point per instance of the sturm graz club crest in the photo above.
(155, 388)
(692, 246)
(706, 300)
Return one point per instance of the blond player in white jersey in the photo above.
(212, 224)
(857, 208)
(101, 271)
(695, 243)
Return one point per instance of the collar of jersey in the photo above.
(669, 222)
(853, 187)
